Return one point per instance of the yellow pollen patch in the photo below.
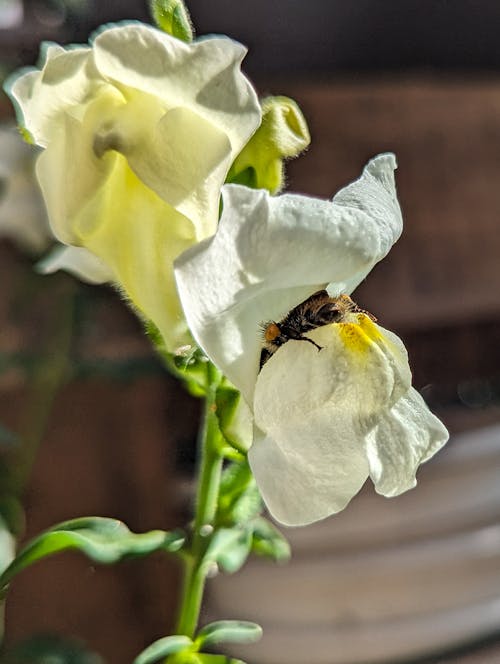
(369, 328)
(359, 336)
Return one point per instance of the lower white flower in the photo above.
(324, 420)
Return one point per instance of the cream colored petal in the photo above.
(180, 155)
(70, 170)
(138, 238)
(203, 76)
(41, 97)
(108, 210)
(406, 436)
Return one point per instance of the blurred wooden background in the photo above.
(119, 438)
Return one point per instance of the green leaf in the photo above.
(228, 631)
(102, 540)
(269, 542)
(172, 16)
(168, 645)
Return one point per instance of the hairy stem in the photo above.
(209, 474)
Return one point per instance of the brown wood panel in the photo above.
(446, 136)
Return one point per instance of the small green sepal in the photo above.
(269, 542)
(189, 363)
(235, 418)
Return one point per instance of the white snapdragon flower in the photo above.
(324, 420)
(139, 131)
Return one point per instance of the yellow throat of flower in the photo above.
(359, 334)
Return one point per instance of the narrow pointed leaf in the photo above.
(229, 548)
(228, 631)
(101, 539)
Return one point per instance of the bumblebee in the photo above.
(319, 309)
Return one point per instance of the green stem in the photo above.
(209, 474)
(46, 380)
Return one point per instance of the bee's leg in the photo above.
(358, 310)
(301, 338)
(265, 354)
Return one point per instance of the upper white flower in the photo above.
(272, 252)
(139, 131)
(323, 421)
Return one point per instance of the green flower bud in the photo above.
(172, 17)
(283, 134)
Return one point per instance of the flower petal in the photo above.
(41, 97)
(270, 253)
(203, 76)
(70, 164)
(77, 261)
(108, 210)
(312, 412)
(180, 155)
(406, 436)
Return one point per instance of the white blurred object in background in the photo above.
(11, 13)
(22, 213)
